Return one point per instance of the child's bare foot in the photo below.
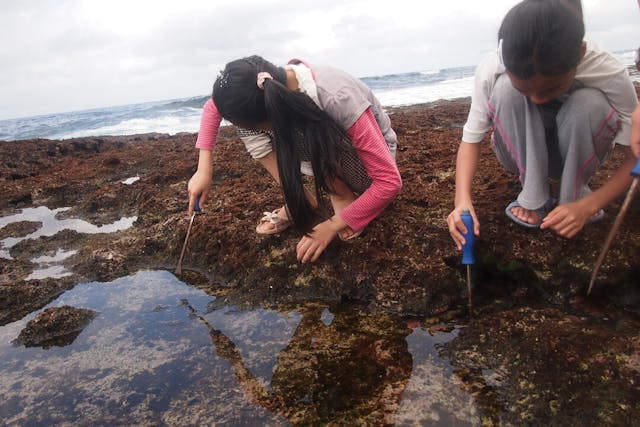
(527, 215)
(531, 218)
(348, 234)
(274, 222)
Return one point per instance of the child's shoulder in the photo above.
(599, 61)
(595, 54)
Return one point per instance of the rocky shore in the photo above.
(405, 261)
(529, 284)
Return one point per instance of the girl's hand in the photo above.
(457, 227)
(635, 132)
(568, 219)
(199, 184)
(310, 247)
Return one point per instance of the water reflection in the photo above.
(155, 354)
(47, 224)
(51, 225)
(49, 266)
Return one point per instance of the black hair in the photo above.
(542, 37)
(237, 95)
(302, 131)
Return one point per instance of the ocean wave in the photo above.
(169, 124)
(183, 115)
(450, 89)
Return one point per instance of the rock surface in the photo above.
(404, 261)
(55, 326)
(532, 324)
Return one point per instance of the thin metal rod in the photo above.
(184, 246)
(614, 229)
(469, 296)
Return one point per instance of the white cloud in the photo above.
(74, 54)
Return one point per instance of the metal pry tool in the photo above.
(196, 209)
(467, 253)
(635, 172)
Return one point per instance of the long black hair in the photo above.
(302, 131)
(542, 37)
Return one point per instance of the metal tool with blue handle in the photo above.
(635, 172)
(467, 253)
(196, 209)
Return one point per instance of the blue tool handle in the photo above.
(196, 207)
(636, 169)
(467, 248)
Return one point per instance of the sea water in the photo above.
(183, 115)
(160, 352)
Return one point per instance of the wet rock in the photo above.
(19, 297)
(19, 229)
(404, 262)
(55, 326)
(535, 347)
(103, 264)
(543, 366)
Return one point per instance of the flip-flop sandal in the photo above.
(279, 224)
(542, 212)
(596, 217)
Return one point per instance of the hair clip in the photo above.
(223, 78)
(262, 76)
(500, 52)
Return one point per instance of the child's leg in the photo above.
(586, 125)
(342, 198)
(519, 142)
(269, 162)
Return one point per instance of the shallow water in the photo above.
(51, 224)
(160, 351)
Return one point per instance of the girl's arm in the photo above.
(200, 182)
(386, 183)
(568, 219)
(209, 126)
(381, 168)
(466, 167)
(635, 132)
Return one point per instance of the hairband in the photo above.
(500, 52)
(262, 76)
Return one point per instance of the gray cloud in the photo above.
(64, 55)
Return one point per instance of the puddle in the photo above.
(51, 225)
(161, 352)
(48, 266)
(43, 223)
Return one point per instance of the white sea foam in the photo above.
(169, 124)
(183, 115)
(449, 89)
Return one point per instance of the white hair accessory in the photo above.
(262, 76)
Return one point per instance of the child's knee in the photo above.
(505, 96)
(584, 107)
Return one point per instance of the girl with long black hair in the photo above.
(300, 119)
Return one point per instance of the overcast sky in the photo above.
(66, 55)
